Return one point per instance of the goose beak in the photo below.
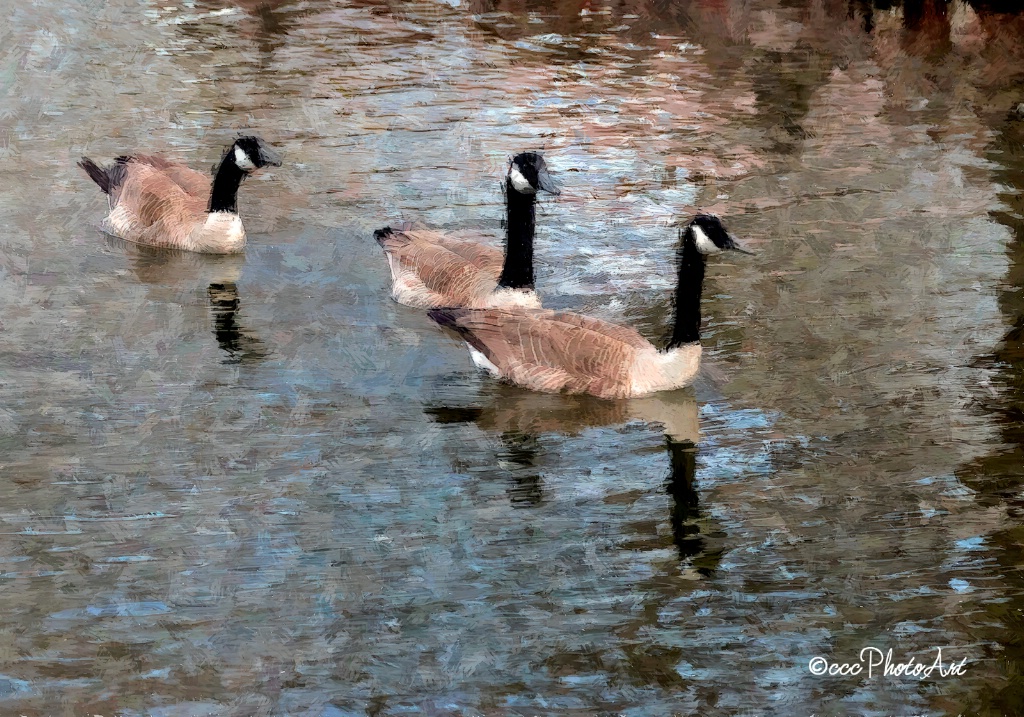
(732, 245)
(546, 183)
(269, 156)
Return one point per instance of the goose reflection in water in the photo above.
(692, 535)
(171, 273)
(239, 346)
(517, 456)
(518, 418)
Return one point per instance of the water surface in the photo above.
(255, 485)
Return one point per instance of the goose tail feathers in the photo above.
(96, 173)
(390, 238)
(108, 178)
(448, 318)
(451, 319)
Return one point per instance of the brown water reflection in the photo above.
(255, 485)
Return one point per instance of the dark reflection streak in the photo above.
(998, 477)
(917, 13)
(784, 95)
(865, 10)
(224, 304)
(456, 414)
(177, 270)
(682, 486)
(519, 452)
(699, 545)
(927, 29)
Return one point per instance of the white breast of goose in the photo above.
(654, 370)
(221, 233)
(503, 298)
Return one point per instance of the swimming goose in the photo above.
(570, 353)
(429, 269)
(157, 202)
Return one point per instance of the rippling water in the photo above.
(256, 486)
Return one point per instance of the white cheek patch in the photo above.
(704, 244)
(242, 160)
(519, 182)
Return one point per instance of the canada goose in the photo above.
(571, 353)
(156, 202)
(431, 270)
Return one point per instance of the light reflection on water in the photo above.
(254, 485)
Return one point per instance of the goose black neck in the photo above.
(517, 273)
(686, 327)
(224, 195)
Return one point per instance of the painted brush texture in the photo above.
(253, 484)
(431, 270)
(562, 352)
(159, 203)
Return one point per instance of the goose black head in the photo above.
(709, 236)
(252, 153)
(528, 174)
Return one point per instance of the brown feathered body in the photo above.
(563, 352)
(156, 202)
(164, 204)
(432, 270)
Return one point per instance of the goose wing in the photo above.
(192, 182)
(551, 351)
(475, 248)
(440, 276)
(149, 196)
(488, 259)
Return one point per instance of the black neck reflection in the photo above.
(519, 456)
(224, 304)
(688, 536)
